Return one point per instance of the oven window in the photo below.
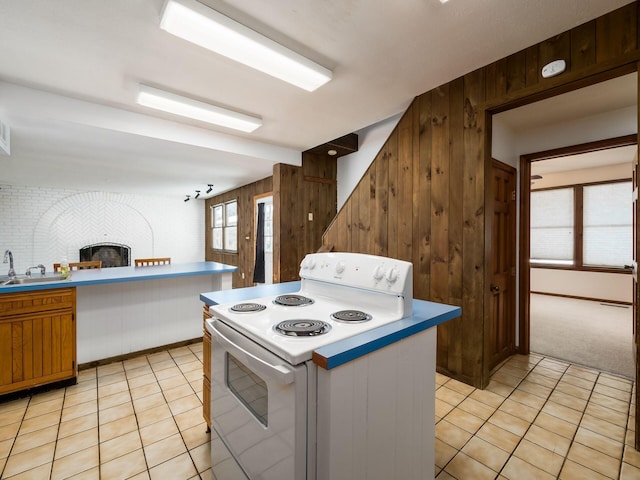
(248, 387)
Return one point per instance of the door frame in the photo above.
(524, 290)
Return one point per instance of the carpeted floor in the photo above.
(589, 333)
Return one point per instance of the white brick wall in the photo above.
(43, 225)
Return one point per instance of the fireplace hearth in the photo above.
(111, 254)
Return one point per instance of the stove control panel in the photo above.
(359, 270)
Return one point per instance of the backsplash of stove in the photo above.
(43, 225)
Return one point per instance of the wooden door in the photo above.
(502, 287)
(636, 317)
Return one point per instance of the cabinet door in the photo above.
(36, 349)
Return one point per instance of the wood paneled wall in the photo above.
(245, 258)
(423, 199)
(298, 192)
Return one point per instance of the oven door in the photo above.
(258, 406)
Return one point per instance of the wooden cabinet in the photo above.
(206, 368)
(37, 338)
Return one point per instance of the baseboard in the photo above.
(601, 300)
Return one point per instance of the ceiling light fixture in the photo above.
(197, 194)
(332, 152)
(210, 185)
(188, 198)
(188, 107)
(199, 24)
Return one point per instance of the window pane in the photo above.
(217, 215)
(607, 239)
(552, 226)
(232, 213)
(217, 238)
(231, 239)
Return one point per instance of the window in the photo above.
(224, 222)
(599, 238)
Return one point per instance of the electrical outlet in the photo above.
(243, 275)
(310, 216)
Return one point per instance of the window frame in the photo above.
(225, 226)
(578, 250)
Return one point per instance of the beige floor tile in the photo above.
(509, 423)
(18, 404)
(119, 427)
(41, 472)
(583, 372)
(506, 379)
(621, 406)
(611, 416)
(194, 375)
(549, 440)
(629, 471)
(574, 471)
(11, 416)
(190, 419)
(87, 374)
(139, 371)
(29, 459)
(152, 415)
(123, 467)
(499, 388)
(540, 379)
(479, 409)
(574, 391)
(519, 410)
(449, 396)
(195, 365)
(91, 474)
(195, 436)
(167, 372)
(610, 392)
(143, 476)
(9, 431)
(488, 398)
(535, 389)
(618, 383)
(158, 431)
(631, 456)
(78, 425)
(556, 425)
(119, 446)
(110, 369)
(172, 382)
(463, 466)
(163, 450)
(177, 467)
(145, 390)
(142, 380)
(106, 380)
(5, 448)
(486, 453)
(528, 399)
(444, 452)
(80, 410)
(74, 443)
(599, 442)
(185, 404)
(149, 402)
(40, 422)
(113, 388)
(164, 365)
(464, 420)
(114, 400)
(452, 435)
(178, 392)
(540, 457)
(443, 408)
(76, 398)
(562, 412)
(594, 460)
(518, 469)
(579, 382)
(89, 385)
(47, 396)
(50, 406)
(115, 413)
(75, 463)
(603, 427)
(35, 439)
(499, 437)
(135, 363)
(567, 400)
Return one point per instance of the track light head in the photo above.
(197, 194)
(188, 198)
(210, 185)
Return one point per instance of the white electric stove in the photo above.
(267, 394)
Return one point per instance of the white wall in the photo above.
(42, 225)
(597, 285)
(352, 167)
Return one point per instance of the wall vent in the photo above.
(5, 139)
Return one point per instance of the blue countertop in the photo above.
(425, 315)
(122, 274)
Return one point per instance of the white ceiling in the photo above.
(70, 70)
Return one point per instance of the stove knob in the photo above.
(392, 275)
(378, 273)
(340, 266)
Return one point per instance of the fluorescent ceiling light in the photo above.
(199, 24)
(187, 107)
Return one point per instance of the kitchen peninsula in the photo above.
(127, 309)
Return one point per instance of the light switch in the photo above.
(310, 216)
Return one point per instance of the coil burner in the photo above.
(292, 300)
(351, 316)
(247, 307)
(302, 328)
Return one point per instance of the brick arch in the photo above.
(87, 218)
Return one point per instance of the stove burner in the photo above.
(292, 300)
(302, 328)
(351, 316)
(247, 307)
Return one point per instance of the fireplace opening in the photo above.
(111, 254)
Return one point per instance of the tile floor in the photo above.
(142, 419)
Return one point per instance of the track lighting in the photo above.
(210, 185)
(188, 198)
(197, 194)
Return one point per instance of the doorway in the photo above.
(263, 216)
(573, 118)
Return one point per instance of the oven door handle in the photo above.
(280, 372)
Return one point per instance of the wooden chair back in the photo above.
(79, 265)
(152, 262)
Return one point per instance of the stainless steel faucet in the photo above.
(9, 255)
(40, 266)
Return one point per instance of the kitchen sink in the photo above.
(29, 280)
